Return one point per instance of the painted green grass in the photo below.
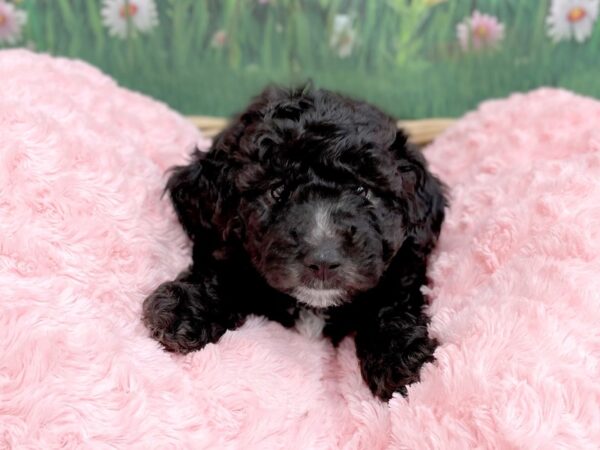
(407, 59)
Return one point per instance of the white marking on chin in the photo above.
(310, 323)
(318, 298)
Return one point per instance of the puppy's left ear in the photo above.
(423, 197)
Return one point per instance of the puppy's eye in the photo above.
(278, 192)
(361, 190)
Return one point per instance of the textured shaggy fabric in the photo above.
(85, 236)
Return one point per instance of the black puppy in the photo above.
(309, 202)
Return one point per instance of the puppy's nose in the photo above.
(323, 263)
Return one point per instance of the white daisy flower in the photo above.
(570, 19)
(343, 35)
(11, 23)
(117, 15)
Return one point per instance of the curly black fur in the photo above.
(308, 199)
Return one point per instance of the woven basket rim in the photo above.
(420, 132)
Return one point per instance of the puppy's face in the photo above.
(323, 239)
(320, 191)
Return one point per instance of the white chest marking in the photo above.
(310, 323)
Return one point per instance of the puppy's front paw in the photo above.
(177, 317)
(397, 366)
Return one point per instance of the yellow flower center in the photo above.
(129, 10)
(481, 31)
(576, 14)
(2, 20)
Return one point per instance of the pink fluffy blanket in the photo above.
(85, 237)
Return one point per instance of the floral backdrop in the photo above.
(415, 58)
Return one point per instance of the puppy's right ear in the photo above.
(424, 195)
(194, 193)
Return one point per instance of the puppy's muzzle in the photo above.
(323, 261)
